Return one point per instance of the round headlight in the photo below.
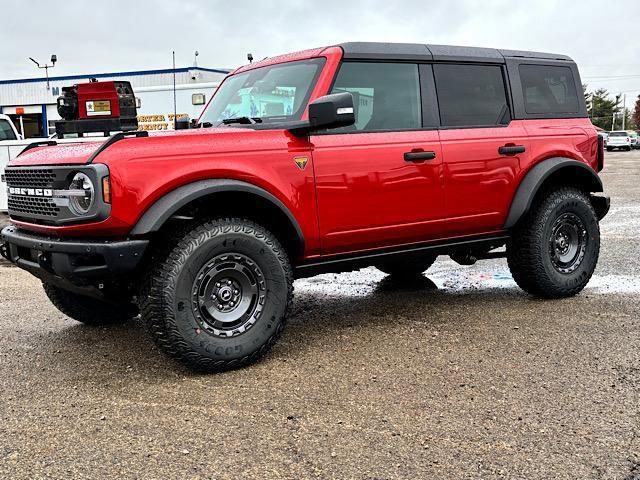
(81, 203)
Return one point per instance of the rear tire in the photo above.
(88, 310)
(406, 266)
(219, 297)
(554, 250)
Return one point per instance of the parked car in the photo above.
(619, 139)
(635, 141)
(8, 130)
(327, 160)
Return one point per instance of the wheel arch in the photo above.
(175, 201)
(555, 170)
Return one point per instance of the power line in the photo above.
(611, 77)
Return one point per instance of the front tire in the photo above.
(219, 298)
(554, 250)
(88, 310)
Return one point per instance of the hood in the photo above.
(75, 152)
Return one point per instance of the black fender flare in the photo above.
(537, 176)
(167, 205)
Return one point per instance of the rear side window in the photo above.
(548, 89)
(471, 95)
(6, 132)
(386, 96)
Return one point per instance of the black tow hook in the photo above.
(44, 260)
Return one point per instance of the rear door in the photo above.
(483, 148)
(379, 182)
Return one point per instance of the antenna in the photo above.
(54, 59)
(175, 105)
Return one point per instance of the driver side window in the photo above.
(386, 96)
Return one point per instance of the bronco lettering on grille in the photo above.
(32, 192)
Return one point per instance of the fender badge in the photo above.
(301, 162)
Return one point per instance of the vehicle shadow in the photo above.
(396, 303)
(391, 304)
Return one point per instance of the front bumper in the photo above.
(80, 261)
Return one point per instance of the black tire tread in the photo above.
(524, 250)
(157, 314)
(87, 310)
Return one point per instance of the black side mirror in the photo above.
(182, 123)
(330, 111)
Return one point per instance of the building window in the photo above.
(198, 99)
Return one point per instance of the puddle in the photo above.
(454, 279)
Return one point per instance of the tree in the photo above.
(603, 108)
(636, 114)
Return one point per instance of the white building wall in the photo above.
(30, 92)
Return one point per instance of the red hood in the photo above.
(70, 153)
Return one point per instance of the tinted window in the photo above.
(548, 89)
(386, 96)
(6, 132)
(471, 95)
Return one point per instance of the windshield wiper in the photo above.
(242, 120)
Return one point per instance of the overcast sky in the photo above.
(94, 37)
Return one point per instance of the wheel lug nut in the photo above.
(236, 292)
(218, 284)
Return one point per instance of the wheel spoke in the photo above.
(227, 298)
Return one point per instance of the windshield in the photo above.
(6, 132)
(274, 93)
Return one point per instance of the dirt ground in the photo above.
(458, 375)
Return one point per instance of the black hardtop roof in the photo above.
(424, 52)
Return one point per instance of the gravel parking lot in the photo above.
(459, 375)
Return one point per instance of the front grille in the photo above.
(34, 178)
(45, 207)
(31, 198)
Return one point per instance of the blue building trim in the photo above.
(115, 74)
(45, 122)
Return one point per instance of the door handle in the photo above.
(419, 156)
(511, 149)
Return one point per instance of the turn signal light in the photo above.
(106, 190)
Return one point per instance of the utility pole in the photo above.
(613, 122)
(624, 110)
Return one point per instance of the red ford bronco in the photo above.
(327, 160)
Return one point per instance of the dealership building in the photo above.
(31, 103)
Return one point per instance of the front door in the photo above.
(379, 182)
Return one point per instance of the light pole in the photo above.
(46, 67)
